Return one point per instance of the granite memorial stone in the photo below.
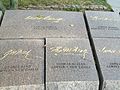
(70, 65)
(38, 23)
(108, 52)
(21, 65)
(103, 24)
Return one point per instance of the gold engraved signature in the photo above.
(48, 18)
(105, 50)
(72, 51)
(11, 52)
(100, 18)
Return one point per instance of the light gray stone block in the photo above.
(38, 23)
(103, 24)
(108, 52)
(70, 65)
(21, 65)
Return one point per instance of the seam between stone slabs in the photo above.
(1, 18)
(45, 63)
(100, 76)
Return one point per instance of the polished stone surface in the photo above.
(38, 23)
(70, 65)
(103, 24)
(108, 52)
(21, 64)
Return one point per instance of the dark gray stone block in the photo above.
(103, 24)
(21, 65)
(38, 23)
(70, 65)
(108, 52)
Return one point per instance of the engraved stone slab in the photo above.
(21, 65)
(70, 65)
(108, 52)
(103, 24)
(40, 23)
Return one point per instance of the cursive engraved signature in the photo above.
(72, 51)
(48, 18)
(111, 51)
(11, 52)
(100, 18)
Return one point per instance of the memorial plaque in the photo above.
(21, 65)
(44, 23)
(103, 24)
(70, 65)
(108, 52)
